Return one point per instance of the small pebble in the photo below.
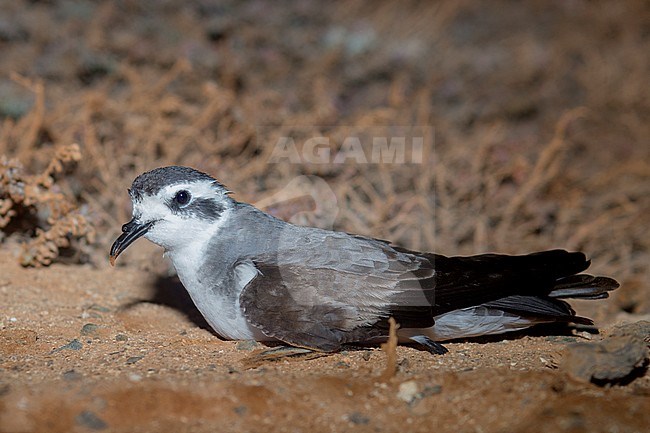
(404, 364)
(121, 337)
(90, 420)
(560, 339)
(72, 375)
(358, 418)
(72, 345)
(408, 391)
(247, 345)
(584, 334)
(89, 329)
(241, 410)
(133, 359)
(431, 390)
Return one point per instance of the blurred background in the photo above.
(537, 115)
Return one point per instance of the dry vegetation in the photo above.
(538, 118)
(24, 197)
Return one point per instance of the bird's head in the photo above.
(173, 207)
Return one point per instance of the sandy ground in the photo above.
(88, 349)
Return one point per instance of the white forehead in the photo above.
(200, 188)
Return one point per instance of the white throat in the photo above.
(190, 254)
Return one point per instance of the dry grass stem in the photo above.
(390, 348)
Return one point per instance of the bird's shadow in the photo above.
(169, 291)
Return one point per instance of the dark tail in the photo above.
(530, 285)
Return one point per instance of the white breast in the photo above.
(220, 309)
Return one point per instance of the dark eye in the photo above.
(182, 197)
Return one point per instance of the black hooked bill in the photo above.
(131, 232)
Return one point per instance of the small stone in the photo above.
(90, 420)
(404, 364)
(584, 334)
(358, 418)
(408, 391)
(89, 329)
(99, 308)
(241, 410)
(431, 390)
(121, 337)
(72, 345)
(554, 339)
(247, 345)
(133, 359)
(72, 375)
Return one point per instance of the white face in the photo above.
(183, 214)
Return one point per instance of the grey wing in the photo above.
(325, 289)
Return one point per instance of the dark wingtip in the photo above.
(581, 320)
(584, 286)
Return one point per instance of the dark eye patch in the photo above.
(204, 208)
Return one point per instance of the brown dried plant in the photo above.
(58, 219)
